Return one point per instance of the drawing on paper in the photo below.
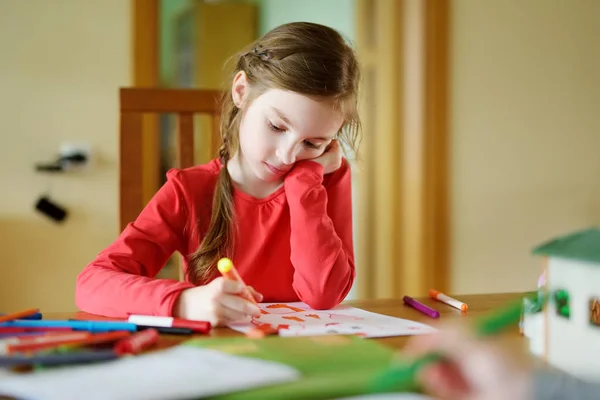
(297, 319)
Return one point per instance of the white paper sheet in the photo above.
(180, 372)
(298, 319)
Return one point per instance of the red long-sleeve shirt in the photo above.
(294, 245)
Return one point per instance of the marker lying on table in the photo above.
(448, 300)
(91, 326)
(19, 315)
(54, 359)
(36, 315)
(402, 377)
(14, 329)
(167, 330)
(98, 338)
(137, 342)
(20, 344)
(430, 312)
(170, 322)
(226, 268)
(22, 334)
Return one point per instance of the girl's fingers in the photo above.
(239, 304)
(257, 296)
(230, 286)
(227, 315)
(234, 287)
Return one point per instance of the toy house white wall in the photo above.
(574, 344)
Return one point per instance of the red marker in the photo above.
(65, 340)
(16, 344)
(170, 322)
(137, 342)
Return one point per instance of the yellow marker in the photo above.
(226, 268)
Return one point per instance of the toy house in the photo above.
(565, 330)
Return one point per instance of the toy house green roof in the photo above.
(582, 246)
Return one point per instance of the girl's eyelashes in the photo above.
(306, 143)
(311, 145)
(275, 128)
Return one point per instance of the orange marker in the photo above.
(228, 271)
(448, 300)
(19, 314)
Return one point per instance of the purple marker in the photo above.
(430, 312)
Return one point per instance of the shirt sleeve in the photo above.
(321, 243)
(121, 279)
(556, 385)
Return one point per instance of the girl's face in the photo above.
(280, 128)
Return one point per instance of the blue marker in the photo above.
(91, 326)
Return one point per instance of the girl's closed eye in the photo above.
(307, 143)
(312, 145)
(275, 128)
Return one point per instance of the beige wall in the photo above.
(526, 126)
(61, 64)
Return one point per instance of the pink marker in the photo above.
(430, 312)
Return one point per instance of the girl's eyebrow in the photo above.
(282, 116)
(287, 121)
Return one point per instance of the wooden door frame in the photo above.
(145, 72)
(403, 233)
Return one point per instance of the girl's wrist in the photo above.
(179, 308)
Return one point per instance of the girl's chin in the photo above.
(272, 178)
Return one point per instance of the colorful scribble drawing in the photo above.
(284, 307)
(298, 319)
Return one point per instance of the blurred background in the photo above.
(481, 130)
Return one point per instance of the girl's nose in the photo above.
(286, 154)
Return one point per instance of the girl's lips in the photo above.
(275, 170)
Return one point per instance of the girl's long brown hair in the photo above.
(302, 57)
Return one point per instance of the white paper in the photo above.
(180, 372)
(301, 320)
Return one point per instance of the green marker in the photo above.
(402, 377)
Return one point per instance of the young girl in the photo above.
(277, 201)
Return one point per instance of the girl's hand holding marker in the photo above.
(223, 301)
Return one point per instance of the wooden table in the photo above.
(478, 305)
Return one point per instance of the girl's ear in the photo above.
(239, 88)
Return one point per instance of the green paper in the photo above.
(331, 366)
